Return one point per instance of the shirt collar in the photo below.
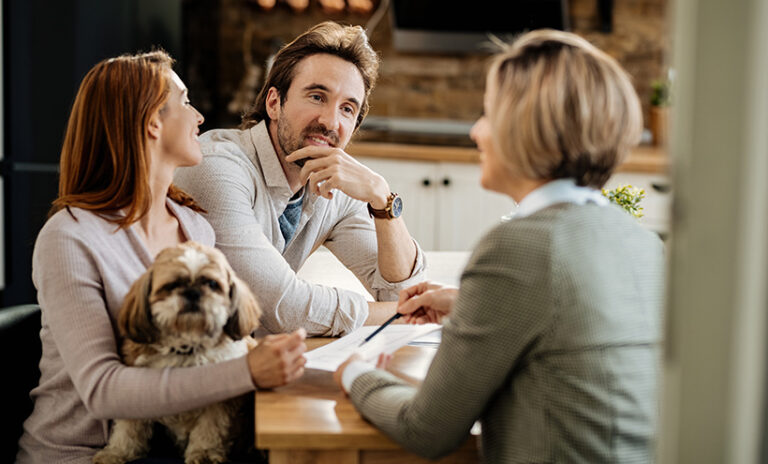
(268, 158)
(558, 191)
(273, 173)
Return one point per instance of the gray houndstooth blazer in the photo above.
(553, 345)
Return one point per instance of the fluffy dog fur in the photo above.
(188, 309)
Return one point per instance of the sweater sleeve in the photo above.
(70, 281)
(353, 242)
(499, 312)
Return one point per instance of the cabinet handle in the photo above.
(426, 182)
(446, 181)
(661, 188)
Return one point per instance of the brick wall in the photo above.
(232, 40)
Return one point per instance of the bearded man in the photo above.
(282, 185)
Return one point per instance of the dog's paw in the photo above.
(108, 456)
(209, 456)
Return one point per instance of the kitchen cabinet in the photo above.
(444, 206)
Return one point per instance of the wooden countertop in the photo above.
(646, 159)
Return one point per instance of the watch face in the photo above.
(397, 207)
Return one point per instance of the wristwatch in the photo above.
(393, 209)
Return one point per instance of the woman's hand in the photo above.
(278, 359)
(381, 363)
(426, 302)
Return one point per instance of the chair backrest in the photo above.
(21, 349)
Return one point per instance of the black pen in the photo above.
(389, 321)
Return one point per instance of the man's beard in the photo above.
(289, 144)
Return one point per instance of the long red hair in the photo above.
(104, 164)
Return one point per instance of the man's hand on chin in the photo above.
(327, 168)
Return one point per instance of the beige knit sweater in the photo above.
(82, 268)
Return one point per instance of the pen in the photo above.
(389, 321)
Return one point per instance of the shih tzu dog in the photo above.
(188, 309)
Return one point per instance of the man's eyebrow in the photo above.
(323, 88)
(317, 87)
(354, 101)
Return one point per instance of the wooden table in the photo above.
(312, 422)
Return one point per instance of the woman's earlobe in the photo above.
(154, 127)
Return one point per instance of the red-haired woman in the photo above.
(131, 126)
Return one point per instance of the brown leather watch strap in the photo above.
(382, 213)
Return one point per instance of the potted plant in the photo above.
(627, 197)
(659, 120)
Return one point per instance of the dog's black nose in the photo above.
(192, 294)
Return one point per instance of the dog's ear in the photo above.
(135, 318)
(245, 311)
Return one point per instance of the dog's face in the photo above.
(190, 292)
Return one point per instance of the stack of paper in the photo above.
(330, 356)
(431, 340)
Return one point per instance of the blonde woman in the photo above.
(551, 341)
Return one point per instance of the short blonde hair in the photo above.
(561, 108)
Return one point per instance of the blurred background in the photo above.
(430, 91)
(425, 75)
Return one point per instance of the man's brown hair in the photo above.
(349, 43)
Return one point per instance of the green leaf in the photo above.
(660, 93)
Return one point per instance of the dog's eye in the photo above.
(171, 286)
(212, 284)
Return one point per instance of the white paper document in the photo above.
(431, 339)
(389, 340)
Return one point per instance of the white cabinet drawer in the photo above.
(445, 208)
